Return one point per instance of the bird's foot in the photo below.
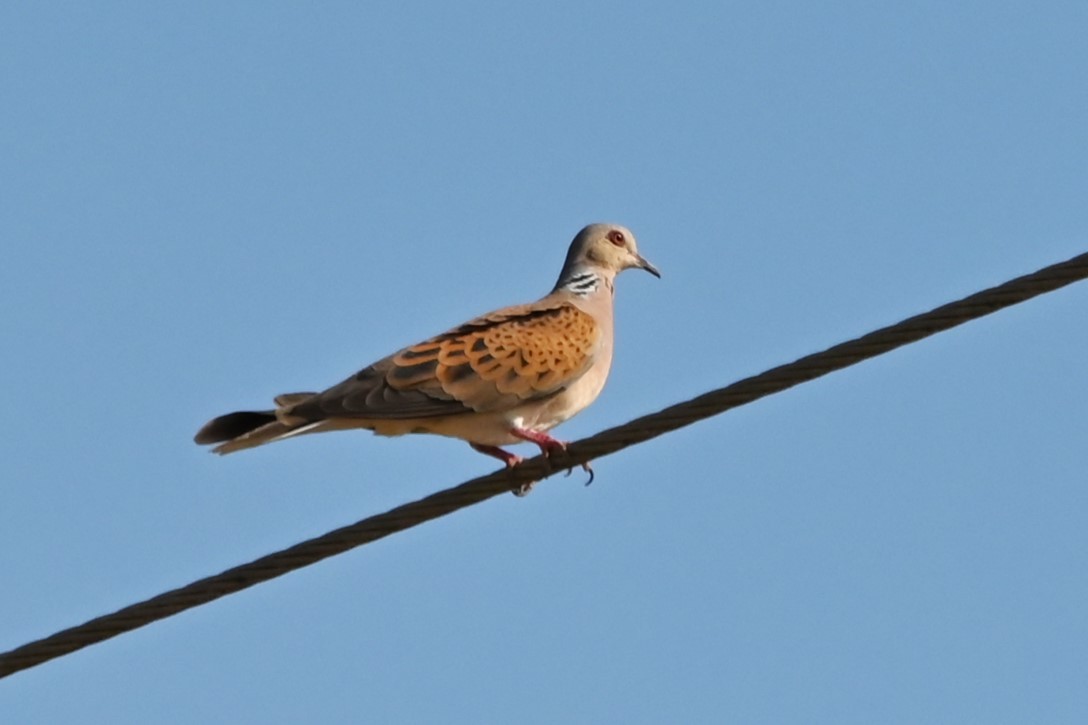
(510, 459)
(549, 446)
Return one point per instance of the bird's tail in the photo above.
(250, 428)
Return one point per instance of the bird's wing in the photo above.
(494, 362)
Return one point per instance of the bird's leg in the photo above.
(548, 446)
(506, 457)
(509, 459)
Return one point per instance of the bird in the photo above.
(502, 378)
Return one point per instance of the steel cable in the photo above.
(480, 489)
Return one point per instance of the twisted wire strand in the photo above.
(601, 444)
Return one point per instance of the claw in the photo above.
(548, 446)
(585, 467)
(588, 469)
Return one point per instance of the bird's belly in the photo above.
(493, 428)
(545, 415)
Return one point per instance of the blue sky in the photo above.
(203, 206)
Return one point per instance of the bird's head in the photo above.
(606, 248)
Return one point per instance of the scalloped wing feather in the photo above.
(494, 362)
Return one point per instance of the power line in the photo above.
(480, 489)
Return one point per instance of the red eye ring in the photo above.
(616, 237)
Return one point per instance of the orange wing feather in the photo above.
(490, 363)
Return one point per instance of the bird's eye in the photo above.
(617, 238)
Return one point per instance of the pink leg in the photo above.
(506, 457)
(509, 459)
(548, 445)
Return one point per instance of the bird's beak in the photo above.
(643, 264)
